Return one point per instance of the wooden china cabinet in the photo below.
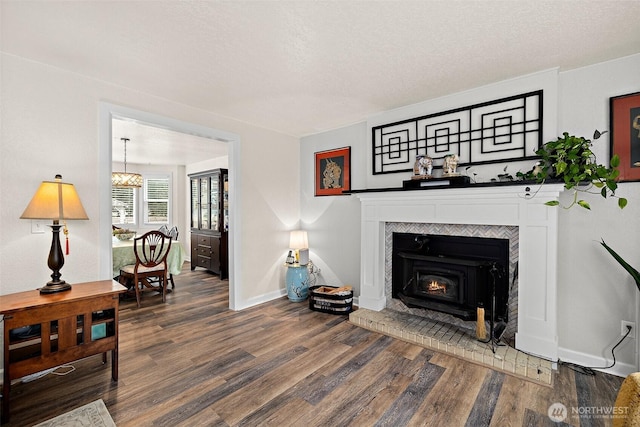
(210, 221)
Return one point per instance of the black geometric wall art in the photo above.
(499, 131)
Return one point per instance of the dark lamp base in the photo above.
(52, 288)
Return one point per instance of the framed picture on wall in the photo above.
(333, 172)
(624, 125)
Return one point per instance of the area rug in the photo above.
(91, 414)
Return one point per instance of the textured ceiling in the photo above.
(157, 146)
(302, 67)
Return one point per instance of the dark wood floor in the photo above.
(192, 362)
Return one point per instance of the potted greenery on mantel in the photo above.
(570, 160)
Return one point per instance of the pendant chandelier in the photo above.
(126, 179)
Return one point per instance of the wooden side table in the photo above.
(42, 331)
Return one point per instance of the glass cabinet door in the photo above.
(194, 203)
(215, 202)
(209, 201)
(205, 207)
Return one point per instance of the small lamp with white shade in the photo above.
(299, 242)
(297, 277)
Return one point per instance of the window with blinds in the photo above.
(123, 208)
(156, 200)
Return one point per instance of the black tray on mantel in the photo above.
(444, 182)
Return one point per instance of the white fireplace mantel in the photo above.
(516, 205)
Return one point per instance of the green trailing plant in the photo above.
(570, 160)
(632, 271)
(504, 176)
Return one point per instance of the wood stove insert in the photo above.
(451, 274)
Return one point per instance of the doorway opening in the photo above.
(110, 112)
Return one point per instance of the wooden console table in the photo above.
(42, 331)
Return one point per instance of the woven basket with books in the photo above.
(330, 299)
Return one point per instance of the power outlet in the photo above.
(38, 226)
(623, 328)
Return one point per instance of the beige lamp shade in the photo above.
(298, 240)
(55, 200)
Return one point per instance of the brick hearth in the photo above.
(455, 341)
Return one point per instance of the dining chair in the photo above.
(149, 273)
(173, 233)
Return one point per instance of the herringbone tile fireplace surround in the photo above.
(468, 230)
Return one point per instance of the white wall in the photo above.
(333, 222)
(50, 124)
(594, 294)
(545, 80)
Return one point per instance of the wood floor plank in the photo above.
(370, 413)
(238, 405)
(285, 412)
(453, 396)
(536, 419)
(346, 401)
(203, 418)
(483, 408)
(514, 400)
(588, 397)
(325, 384)
(235, 383)
(166, 411)
(194, 362)
(403, 408)
(564, 390)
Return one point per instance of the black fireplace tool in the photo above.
(495, 330)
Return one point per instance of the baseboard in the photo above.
(588, 360)
(260, 299)
(375, 304)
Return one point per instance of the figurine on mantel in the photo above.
(423, 167)
(450, 165)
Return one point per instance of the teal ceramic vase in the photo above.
(297, 282)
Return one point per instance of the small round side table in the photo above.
(297, 281)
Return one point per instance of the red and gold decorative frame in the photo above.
(333, 172)
(624, 126)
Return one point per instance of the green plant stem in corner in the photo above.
(632, 271)
(571, 160)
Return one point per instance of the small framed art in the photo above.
(625, 134)
(333, 172)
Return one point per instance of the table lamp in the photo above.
(55, 200)
(298, 241)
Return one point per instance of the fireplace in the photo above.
(451, 274)
(513, 206)
(433, 283)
